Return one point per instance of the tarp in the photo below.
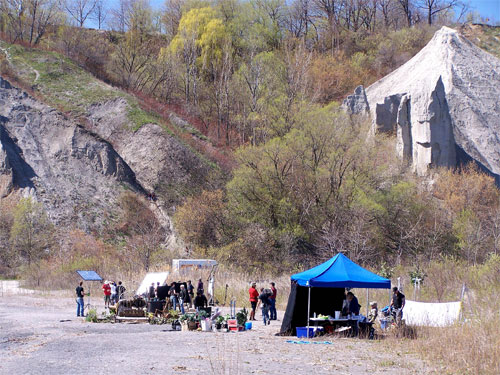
(340, 272)
(323, 301)
(431, 314)
(150, 278)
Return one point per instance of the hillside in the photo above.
(157, 160)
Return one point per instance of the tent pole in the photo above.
(308, 309)
(367, 300)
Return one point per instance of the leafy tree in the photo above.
(29, 20)
(31, 235)
(6, 220)
(202, 220)
(143, 231)
(296, 184)
(187, 46)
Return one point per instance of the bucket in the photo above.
(337, 314)
(383, 324)
(248, 326)
(206, 325)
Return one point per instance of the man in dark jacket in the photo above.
(183, 297)
(353, 304)
(397, 304)
(173, 295)
(200, 301)
(190, 289)
(79, 300)
(266, 303)
(353, 309)
(120, 290)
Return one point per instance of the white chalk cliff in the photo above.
(443, 105)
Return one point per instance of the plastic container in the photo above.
(305, 332)
(206, 325)
(248, 326)
(337, 314)
(383, 324)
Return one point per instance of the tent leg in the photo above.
(367, 301)
(308, 309)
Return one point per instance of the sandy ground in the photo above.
(42, 335)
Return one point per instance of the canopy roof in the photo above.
(341, 272)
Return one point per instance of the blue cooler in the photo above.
(303, 332)
(248, 326)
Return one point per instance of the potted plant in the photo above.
(242, 317)
(219, 322)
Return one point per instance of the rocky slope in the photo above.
(79, 171)
(443, 105)
(76, 174)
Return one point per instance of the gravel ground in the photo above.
(42, 335)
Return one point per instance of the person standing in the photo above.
(173, 295)
(200, 301)
(265, 303)
(254, 295)
(80, 305)
(190, 290)
(200, 287)
(107, 294)
(151, 292)
(353, 304)
(120, 289)
(397, 304)
(272, 300)
(353, 310)
(183, 296)
(113, 293)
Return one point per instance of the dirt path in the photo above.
(9, 60)
(41, 335)
(6, 52)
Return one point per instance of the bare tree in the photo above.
(80, 10)
(100, 13)
(433, 7)
(406, 7)
(172, 14)
(120, 16)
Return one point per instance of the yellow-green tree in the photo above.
(31, 235)
(186, 45)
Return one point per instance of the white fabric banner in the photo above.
(431, 314)
(151, 278)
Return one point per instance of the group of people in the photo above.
(351, 307)
(266, 298)
(112, 292)
(182, 296)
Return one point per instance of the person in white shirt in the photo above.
(114, 296)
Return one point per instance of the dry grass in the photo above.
(469, 348)
(472, 346)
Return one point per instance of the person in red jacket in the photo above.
(107, 294)
(254, 296)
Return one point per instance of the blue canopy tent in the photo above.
(333, 277)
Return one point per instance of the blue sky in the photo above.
(487, 8)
